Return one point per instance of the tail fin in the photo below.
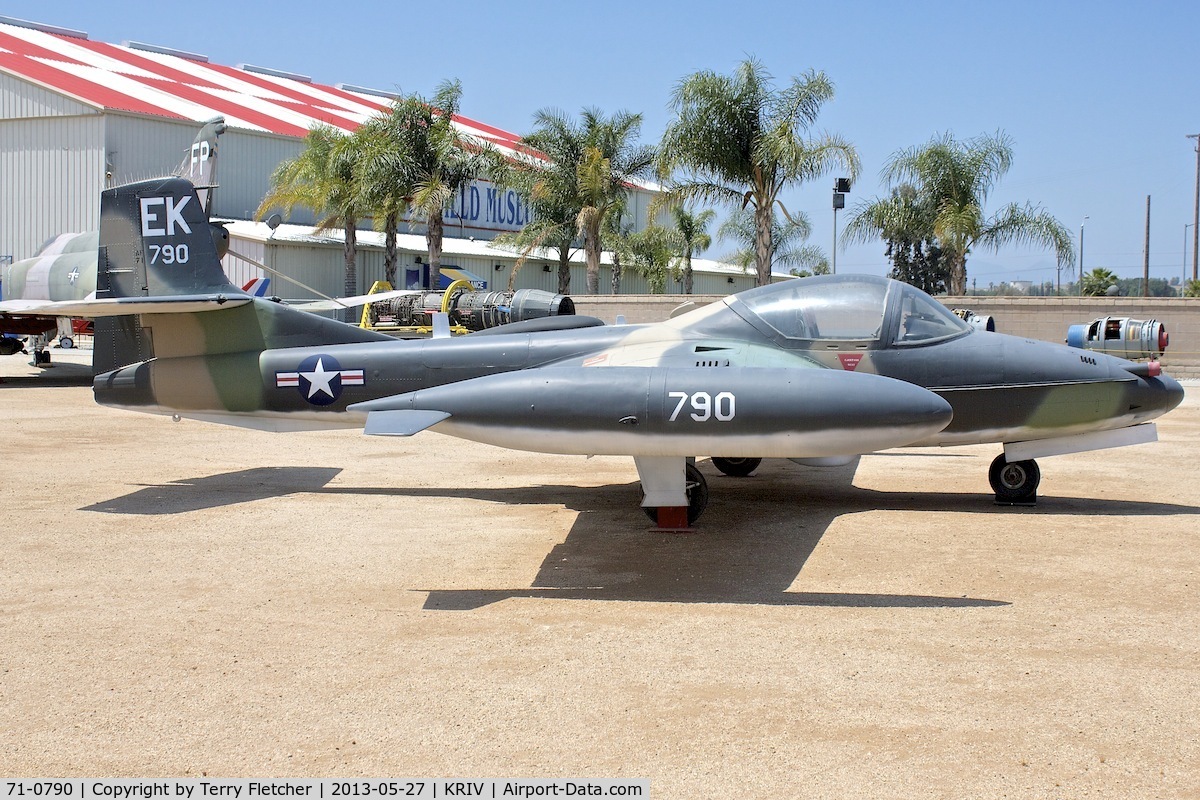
(200, 164)
(156, 243)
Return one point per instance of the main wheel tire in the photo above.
(1015, 481)
(66, 343)
(736, 467)
(696, 489)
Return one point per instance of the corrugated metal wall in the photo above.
(244, 172)
(320, 265)
(51, 175)
(22, 100)
(140, 148)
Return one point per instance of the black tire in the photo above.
(696, 488)
(66, 342)
(41, 357)
(1014, 482)
(736, 467)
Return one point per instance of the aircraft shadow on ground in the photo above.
(748, 548)
(59, 375)
(215, 491)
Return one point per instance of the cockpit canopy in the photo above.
(847, 308)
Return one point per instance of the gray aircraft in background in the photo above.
(819, 370)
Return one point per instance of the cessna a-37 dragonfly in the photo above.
(819, 370)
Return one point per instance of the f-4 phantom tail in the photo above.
(818, 370)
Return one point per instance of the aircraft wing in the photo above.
(119, 307)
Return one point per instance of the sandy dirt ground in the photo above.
(182, 599)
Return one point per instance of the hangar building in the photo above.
(78, 115)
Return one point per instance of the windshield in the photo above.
(822, 309)
(923, 319)
(863, 309)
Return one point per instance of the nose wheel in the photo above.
(1014, 482)
(736, 467)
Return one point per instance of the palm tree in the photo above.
(586, 169)
(610, 161)
(1097, 282)
(740, 141)
(550, 183)
(385, 181)
(615, 238)
(443, 160)
(692, 230)
(788, 249)
(322, 178)
(952, 180)
(654, 254)
(905, 220)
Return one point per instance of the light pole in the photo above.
(1196, 219)
(1081, 224)
(1186, 225)
(840, 187)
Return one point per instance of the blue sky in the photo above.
(1097, 97)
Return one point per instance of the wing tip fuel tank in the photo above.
(642, 411)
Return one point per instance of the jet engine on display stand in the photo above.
(468, 310)
(1121, 336)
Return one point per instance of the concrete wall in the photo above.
(1045, 318)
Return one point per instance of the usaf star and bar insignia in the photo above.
(320, 379)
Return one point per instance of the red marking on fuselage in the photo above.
(850, 361)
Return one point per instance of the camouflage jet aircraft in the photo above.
(818, 370)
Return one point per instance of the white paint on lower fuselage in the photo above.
(808, 444)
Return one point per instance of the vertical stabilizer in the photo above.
(155, 241)
(200, 164)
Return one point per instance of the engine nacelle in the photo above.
(1121, 336)
(475, 311)
(977, 321)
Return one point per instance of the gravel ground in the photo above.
(181, 599)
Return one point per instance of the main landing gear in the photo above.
(662, 479)
(1014, 482)
(736, 467)
(695, 488)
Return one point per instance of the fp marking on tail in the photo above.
(320, 379)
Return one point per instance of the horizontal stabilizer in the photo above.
(404, 422)
(124, 306)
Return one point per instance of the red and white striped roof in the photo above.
(128, 78)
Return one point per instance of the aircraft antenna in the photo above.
(287, 278)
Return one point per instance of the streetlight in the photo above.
(840, 188)
(1085, 219)
(1185, 227)
(1196, 219)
